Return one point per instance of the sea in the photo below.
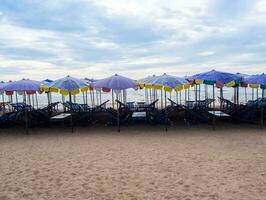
(94, 98)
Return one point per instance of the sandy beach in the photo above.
(138, 163)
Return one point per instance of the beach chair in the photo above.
(191, 116)
(203, 105)
(227, 106)
(250, 112)
(81, 113)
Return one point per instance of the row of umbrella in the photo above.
(72, 86)
(69, 86)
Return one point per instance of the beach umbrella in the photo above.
(165, 82)
(168, 83)
(217, 78)
(145, 83)
(243, 84)
(93, 92)
(69, 86)
(256, 81)
(2, 85)
(116, 83)
(26, 86)
(259, 79)
(45, 87)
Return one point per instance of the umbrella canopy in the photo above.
(46, 83)
(2, 85)
(216, 77)
(68, 85)
(147, 79)
(168, 81)
(115, 82)
(24, 85)
(259, 79)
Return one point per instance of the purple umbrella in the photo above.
(2, 85)
(115, 82)
(24, 85)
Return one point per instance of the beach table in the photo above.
(139, 116)
(218, 114)
(62, 118)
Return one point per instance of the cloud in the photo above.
(97, 38)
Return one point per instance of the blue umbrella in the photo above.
(147, 79)
(45, 86)
(68, 84)
(216, 77)
(259, 79)
(168, 81)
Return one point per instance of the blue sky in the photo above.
(96, 38)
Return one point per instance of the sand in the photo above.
(138, 163)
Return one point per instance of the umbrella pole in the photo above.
(237, 94)
(188, 95)
(213, 116)
(221, 96)
(252, 94)
(3, 99)
(199, 92)
(86, 97)
(262, 109)
(165, 99)
(71, 118)
(176, 95)
(113, 103)
(196, 93)
(37, 104)
(16, 97)
(185, 96)
(246, 98)
(118, 114)
(205, 87)
(33, 103)
(100, 96)
(91, 98)
(180, 97)
(83, 96)
(26, 113)
(161, 98)
(257, 93)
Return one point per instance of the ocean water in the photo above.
(96, 97)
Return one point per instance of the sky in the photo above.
(98, 38)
